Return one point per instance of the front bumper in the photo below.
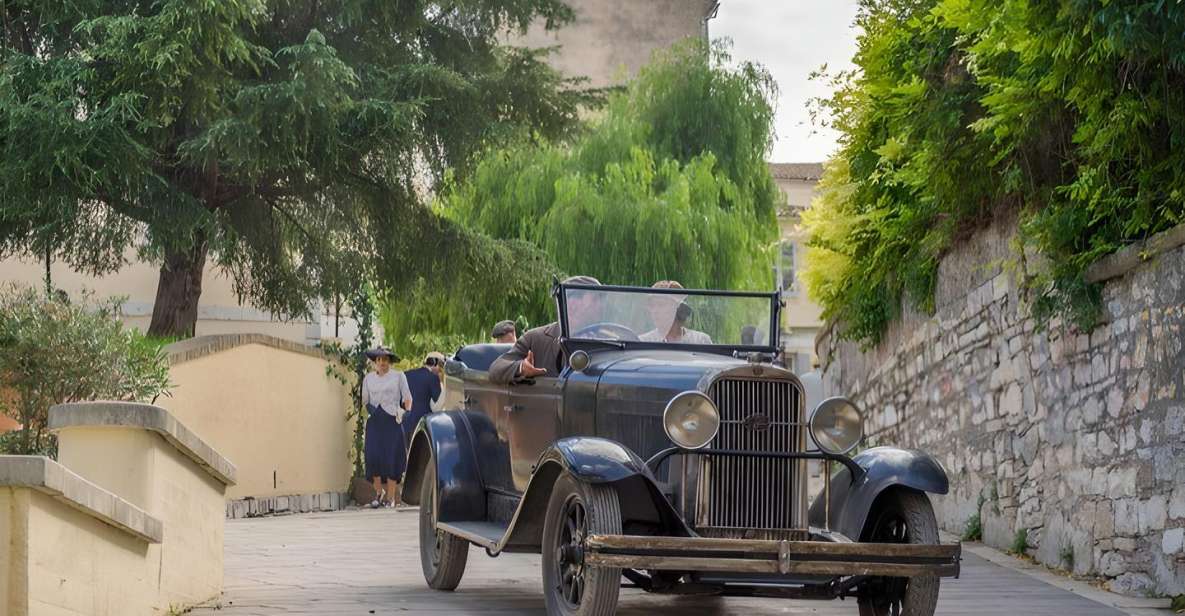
(767, 556)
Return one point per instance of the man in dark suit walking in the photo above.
(538, 352)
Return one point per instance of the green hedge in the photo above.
(1069, 114)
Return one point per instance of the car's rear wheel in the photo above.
(442, 556)
(900, 516)
(575, 511)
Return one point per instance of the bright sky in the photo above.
(791, 38)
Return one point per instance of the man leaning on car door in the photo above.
(538, 352)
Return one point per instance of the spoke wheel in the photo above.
(576, 511)
(442, 556)
(900, 516)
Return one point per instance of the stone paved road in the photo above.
(365, 562)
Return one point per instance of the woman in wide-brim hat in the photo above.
(387, 397)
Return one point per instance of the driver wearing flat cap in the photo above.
(538, 352)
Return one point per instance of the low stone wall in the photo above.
(1077, 439)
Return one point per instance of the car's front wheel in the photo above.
(900, 516)
(442, 556)
(575, 511)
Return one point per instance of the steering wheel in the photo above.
(605, 330)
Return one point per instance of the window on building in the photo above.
(784, 270)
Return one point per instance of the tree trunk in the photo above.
(175, 312)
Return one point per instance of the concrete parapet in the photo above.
(143, 454)
(68, 546)
(148, 417)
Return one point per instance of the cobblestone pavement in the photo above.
(367, 562)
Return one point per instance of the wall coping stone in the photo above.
(200, 346)
(48, 477)
(1128, 258)
(148, 417)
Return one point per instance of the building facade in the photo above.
(801, 317)
(610, 40)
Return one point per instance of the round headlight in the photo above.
(837, 425)
(691, 420)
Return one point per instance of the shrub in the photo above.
(55, 350)
(1020, 543)
(1066, 115)
(974, 529)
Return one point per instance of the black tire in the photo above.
(575, 511)
(442, 556)
(900, 516)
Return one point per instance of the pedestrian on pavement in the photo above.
(425, 385)
(505, 332)
(387, 398)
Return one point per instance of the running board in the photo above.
(769, 556)
(482, 534)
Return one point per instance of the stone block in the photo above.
(1153, 513)
(1177, 503)
(1172, 541)
(1132, 584)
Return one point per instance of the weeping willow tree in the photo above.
(670, 182)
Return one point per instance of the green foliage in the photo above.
(1178, 604)
(1020, 542)
(669, 183)
(1066, 556)
(974, 529)
(54, 350)
(289, 138)
(1069, 115)
(348, 365)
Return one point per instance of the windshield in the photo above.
(668, 316)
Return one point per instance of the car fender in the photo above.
(447, 440)
(595, 461)
(884, 468)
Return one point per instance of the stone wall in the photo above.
(1077, 438)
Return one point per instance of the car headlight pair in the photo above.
(691, 421)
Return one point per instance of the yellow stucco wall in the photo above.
(146, 470)
(273, 412)
(79, 566)
(12, 576)
(58, 561)
(220, 311)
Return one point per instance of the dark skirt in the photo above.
(385, 451)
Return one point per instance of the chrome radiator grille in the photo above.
(743, 496)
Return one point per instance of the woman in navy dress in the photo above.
(387, 399)
(424, 383)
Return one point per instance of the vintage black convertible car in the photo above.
(672, 455)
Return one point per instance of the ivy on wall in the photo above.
(1070, 114)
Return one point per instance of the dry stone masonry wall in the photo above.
(1077, 439)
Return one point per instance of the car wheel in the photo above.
(442, 556)
(900, 516)
(575, 511)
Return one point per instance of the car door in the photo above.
(531, 422)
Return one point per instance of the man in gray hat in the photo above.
(538, 352)
(505, 332)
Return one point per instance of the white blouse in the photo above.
(387, 392)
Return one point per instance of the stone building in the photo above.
(800, 317)
(610, 39)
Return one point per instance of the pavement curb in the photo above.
(1133, 606)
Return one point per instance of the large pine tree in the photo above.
(287, 141)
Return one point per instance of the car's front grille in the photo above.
(748, 495)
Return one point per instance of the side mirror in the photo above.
(454, 367)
